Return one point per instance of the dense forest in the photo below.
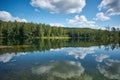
(34, 37)
(32, 30)
(29, 30)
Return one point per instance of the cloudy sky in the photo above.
(68, 13)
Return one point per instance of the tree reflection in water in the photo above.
(29, 45)
(71, 60)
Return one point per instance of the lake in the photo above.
(49, 59)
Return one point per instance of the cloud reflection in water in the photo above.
(81, 52)
(62, 69)
(101, 57)
(7, 57)
(111, 69)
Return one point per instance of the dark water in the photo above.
(59, 60)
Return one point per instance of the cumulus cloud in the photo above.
(61, 69)
(81, 52)
(112, 7)
(111, 70)
(57, 24)
(6, 16)
(82, 21)
(60, 6)
(101, 16)
(101, 57)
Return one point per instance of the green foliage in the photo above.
(32, 30)
(29, 30)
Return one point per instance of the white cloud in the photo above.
(101, 57)
(57, 24)
(6, 16)
(82, 21)
(101, 16)
(112, 7)
(60, 6)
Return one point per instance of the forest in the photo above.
(33, 30)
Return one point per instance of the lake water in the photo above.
(60, 60)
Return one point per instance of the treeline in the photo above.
(28, 30)
(94, 34)
(32, 30)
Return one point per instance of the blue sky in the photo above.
(68, 13)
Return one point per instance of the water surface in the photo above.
(60, 60)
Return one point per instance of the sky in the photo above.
(66, 13)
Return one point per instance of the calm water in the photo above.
(60, 60)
